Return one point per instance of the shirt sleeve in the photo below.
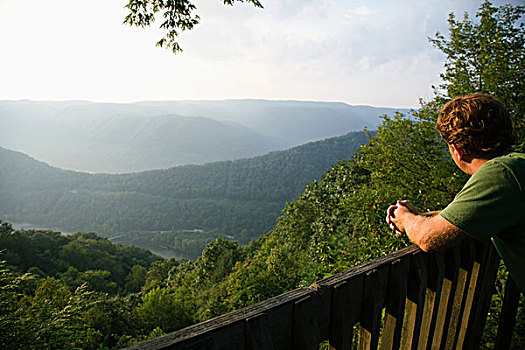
(489, 203)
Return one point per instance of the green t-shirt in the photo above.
(492, 205)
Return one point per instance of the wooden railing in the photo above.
(408, 299)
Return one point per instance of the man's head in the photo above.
(476, 124)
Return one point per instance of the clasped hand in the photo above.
(396, 213)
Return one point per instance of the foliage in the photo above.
(82, 258)
(165, 309)
(487, 56)
(51, 319)
(178, 16)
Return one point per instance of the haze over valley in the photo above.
(244, 159)
(121, 138)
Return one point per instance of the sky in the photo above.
(360, 52)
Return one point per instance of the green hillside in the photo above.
(190, 205)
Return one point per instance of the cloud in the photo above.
(361, 11)
(342, 50)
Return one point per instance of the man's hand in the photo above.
(428, 230)
(396, 215)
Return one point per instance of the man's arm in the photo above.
(429, 231)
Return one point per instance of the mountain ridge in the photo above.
(121, 138)
(240, 198)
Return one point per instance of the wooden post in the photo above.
(395, 304)
(311, 319)
(347, 298)
(436, 270)
(417, 282)
(489, 262)
(373, 299)
(507, 319)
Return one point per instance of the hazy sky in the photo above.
(354, 51)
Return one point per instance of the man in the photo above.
(491, 205)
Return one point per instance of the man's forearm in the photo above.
(430, 231)
(431, 213)
(416, 230)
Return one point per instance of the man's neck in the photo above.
(474, 165)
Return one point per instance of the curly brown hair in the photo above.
(477, 124)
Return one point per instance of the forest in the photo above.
(336, 223)
(240, 198)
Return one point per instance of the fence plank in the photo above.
(258, 333)
(489, 262)
(280, 323)
(436, 270)
(395, 304)
(426, 319)
(473, 266)
(311, 319)
(507, 319)
(467, 258)
(417, 282)
(347, 297)
(229, 337)
(452, 258)
(373, 299)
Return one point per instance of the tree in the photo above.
(488, 57)
(217, 260)
(166, 310)
(178, 15)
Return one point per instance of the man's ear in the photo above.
(457, 152)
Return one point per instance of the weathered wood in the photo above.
(258, 333)
(280, 322)
(369, 266)
(467, 257)
(347, 297)
(395, 303)
(436, 270)
(468, 261)
(373, 300)
(417, 282)
(507, 319)
(229, 337)
(452, 259)
(489, 262)
(311, 319)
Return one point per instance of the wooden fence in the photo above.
(408, 299)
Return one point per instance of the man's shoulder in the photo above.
(513, 157)
(506, 171)
(514, 162)
(510, 167)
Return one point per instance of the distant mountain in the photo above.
(290, 123)
(241, 198)
(120, 138)
(100, 138)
